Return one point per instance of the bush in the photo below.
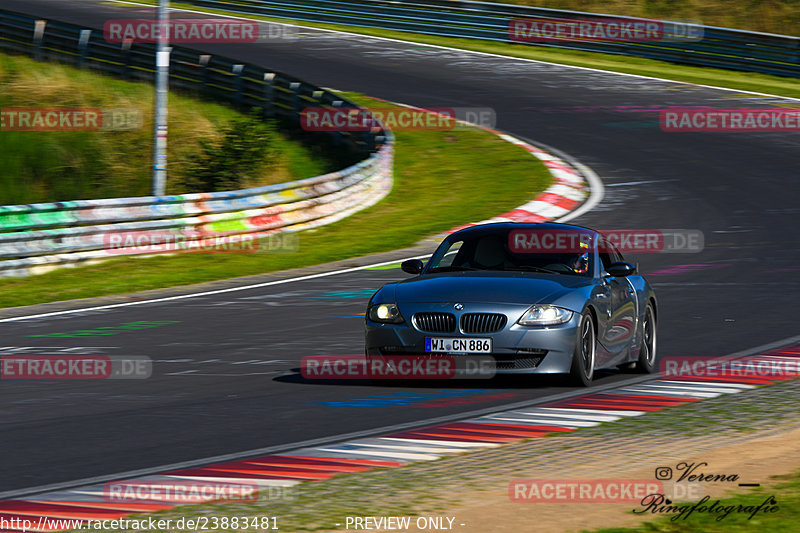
(234, 161)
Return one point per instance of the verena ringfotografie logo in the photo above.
(174, 241)
(395, 118)
(762, 367)
(729, 120)
(582, 490)
(397, 367)
(544, 30)
(624, 240)
(179, 492)
(69, 119)
(28, 367)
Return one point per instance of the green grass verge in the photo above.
(71, 165)
(442, 179)
(630, 65)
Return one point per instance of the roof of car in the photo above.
(480, 228)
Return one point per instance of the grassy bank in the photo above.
(40, 166)
(441, 181)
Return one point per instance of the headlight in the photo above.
(385, 314)
(545, 315)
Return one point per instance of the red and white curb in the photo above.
(569, 189)
(397, 449)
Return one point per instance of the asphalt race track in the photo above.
(225, 378)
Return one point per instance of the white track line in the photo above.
(207, 293)
(458, 444)
(596, 190)
(411, 447)
(719, 384)
(390, 455)
(674, 393)
(692, 388)
(557, 410)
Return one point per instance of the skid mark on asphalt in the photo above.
(683, 269)
(362, 294)
(397, 449)
(83, 350)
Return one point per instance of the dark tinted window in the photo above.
(489, 250)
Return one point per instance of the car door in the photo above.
(619, 299)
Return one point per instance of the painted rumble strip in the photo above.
(567, 192)
(559, 201)
(273, 475)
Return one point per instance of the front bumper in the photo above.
(516, 349)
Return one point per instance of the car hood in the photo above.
(496, 287)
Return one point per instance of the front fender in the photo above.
(384, 295)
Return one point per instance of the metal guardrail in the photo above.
(719, 47)
(38, 237)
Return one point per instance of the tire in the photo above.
(646, 364)
(583, 358)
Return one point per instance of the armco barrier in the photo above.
(39, 237)
(718, 47)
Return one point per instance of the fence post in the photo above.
(295, 87)
(239, 85)
(205, 59)
(83, 45)
(268, 106)
(126, 58)
(38, 36)
(369, 140)
(337, 137)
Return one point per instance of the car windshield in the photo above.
(515, 251)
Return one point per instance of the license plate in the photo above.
(457, 345)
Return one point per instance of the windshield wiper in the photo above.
(534, 269)
(452, 268)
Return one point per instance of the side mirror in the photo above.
(412, 266)
(620, 269)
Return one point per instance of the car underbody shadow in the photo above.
(500, 381)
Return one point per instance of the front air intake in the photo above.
(435, 322)
(482, 322)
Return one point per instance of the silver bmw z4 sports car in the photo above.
(536, 298)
